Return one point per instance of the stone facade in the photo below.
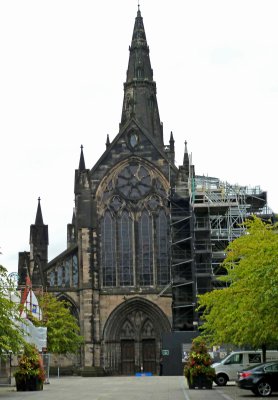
(116, 270)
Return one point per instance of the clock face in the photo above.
(134, 181)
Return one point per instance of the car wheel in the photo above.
(264, 389)
(221, 380)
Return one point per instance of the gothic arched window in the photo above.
(133, 208)
(108, 251)
(125, 250)
(52, 278)
(162, 239)
(145, 250)
(60, 275)
(74, 271)
(67, 272)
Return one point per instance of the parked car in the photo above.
(261, 379)
(226, 369)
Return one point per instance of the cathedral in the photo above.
(140, 245)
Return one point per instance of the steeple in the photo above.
(82, 160)
(39, 220)
(140, 100)
(38, 248)
(139, 66)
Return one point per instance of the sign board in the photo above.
(165, 352)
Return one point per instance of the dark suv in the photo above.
(261, 379)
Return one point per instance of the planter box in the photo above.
(200, 382)
(28, 384)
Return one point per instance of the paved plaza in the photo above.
(124, 388)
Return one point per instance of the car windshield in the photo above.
(260, 366)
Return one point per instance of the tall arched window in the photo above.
(132, 202)
(67, 272)
(108, 250)
(75, 271)
(162, 239)
(145, 250)
(60, 275)
(125, 250)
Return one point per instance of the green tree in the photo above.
(246, 311)
(11, 339)
(62, 327)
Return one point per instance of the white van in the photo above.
(226, 369)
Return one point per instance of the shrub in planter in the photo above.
(198, 370)
(30, 373)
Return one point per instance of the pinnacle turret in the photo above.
(185, 155)
(82, 160)
(39, 220)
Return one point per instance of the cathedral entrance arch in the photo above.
(132, 337)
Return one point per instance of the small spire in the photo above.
(107, 141)
(81, 161)
(185, 156)
(172, 143)
(73, 221)
(39, 220)
(138, 12)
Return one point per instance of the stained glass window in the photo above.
(108, 251)
(125, 250)
(74, 271)
(163, 268)
(145, 250)
(52, 278)
(60, 275)
(134, 227)
(67, 272)
(134, 181)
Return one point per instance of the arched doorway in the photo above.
(132, 337)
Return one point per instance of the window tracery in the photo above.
(133, 208)
(64, 273)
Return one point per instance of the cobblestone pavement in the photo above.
(125, 388)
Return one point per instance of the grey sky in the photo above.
(63, 64)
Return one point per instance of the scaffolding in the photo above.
(203, 223)
(221, 208)
(182, 262)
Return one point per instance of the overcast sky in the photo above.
(62, 68)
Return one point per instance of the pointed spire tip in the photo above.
(82, 160)
(39, 219)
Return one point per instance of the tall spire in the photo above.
(140, 100)
(82, 160)
(39, 220)
(139, 66)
